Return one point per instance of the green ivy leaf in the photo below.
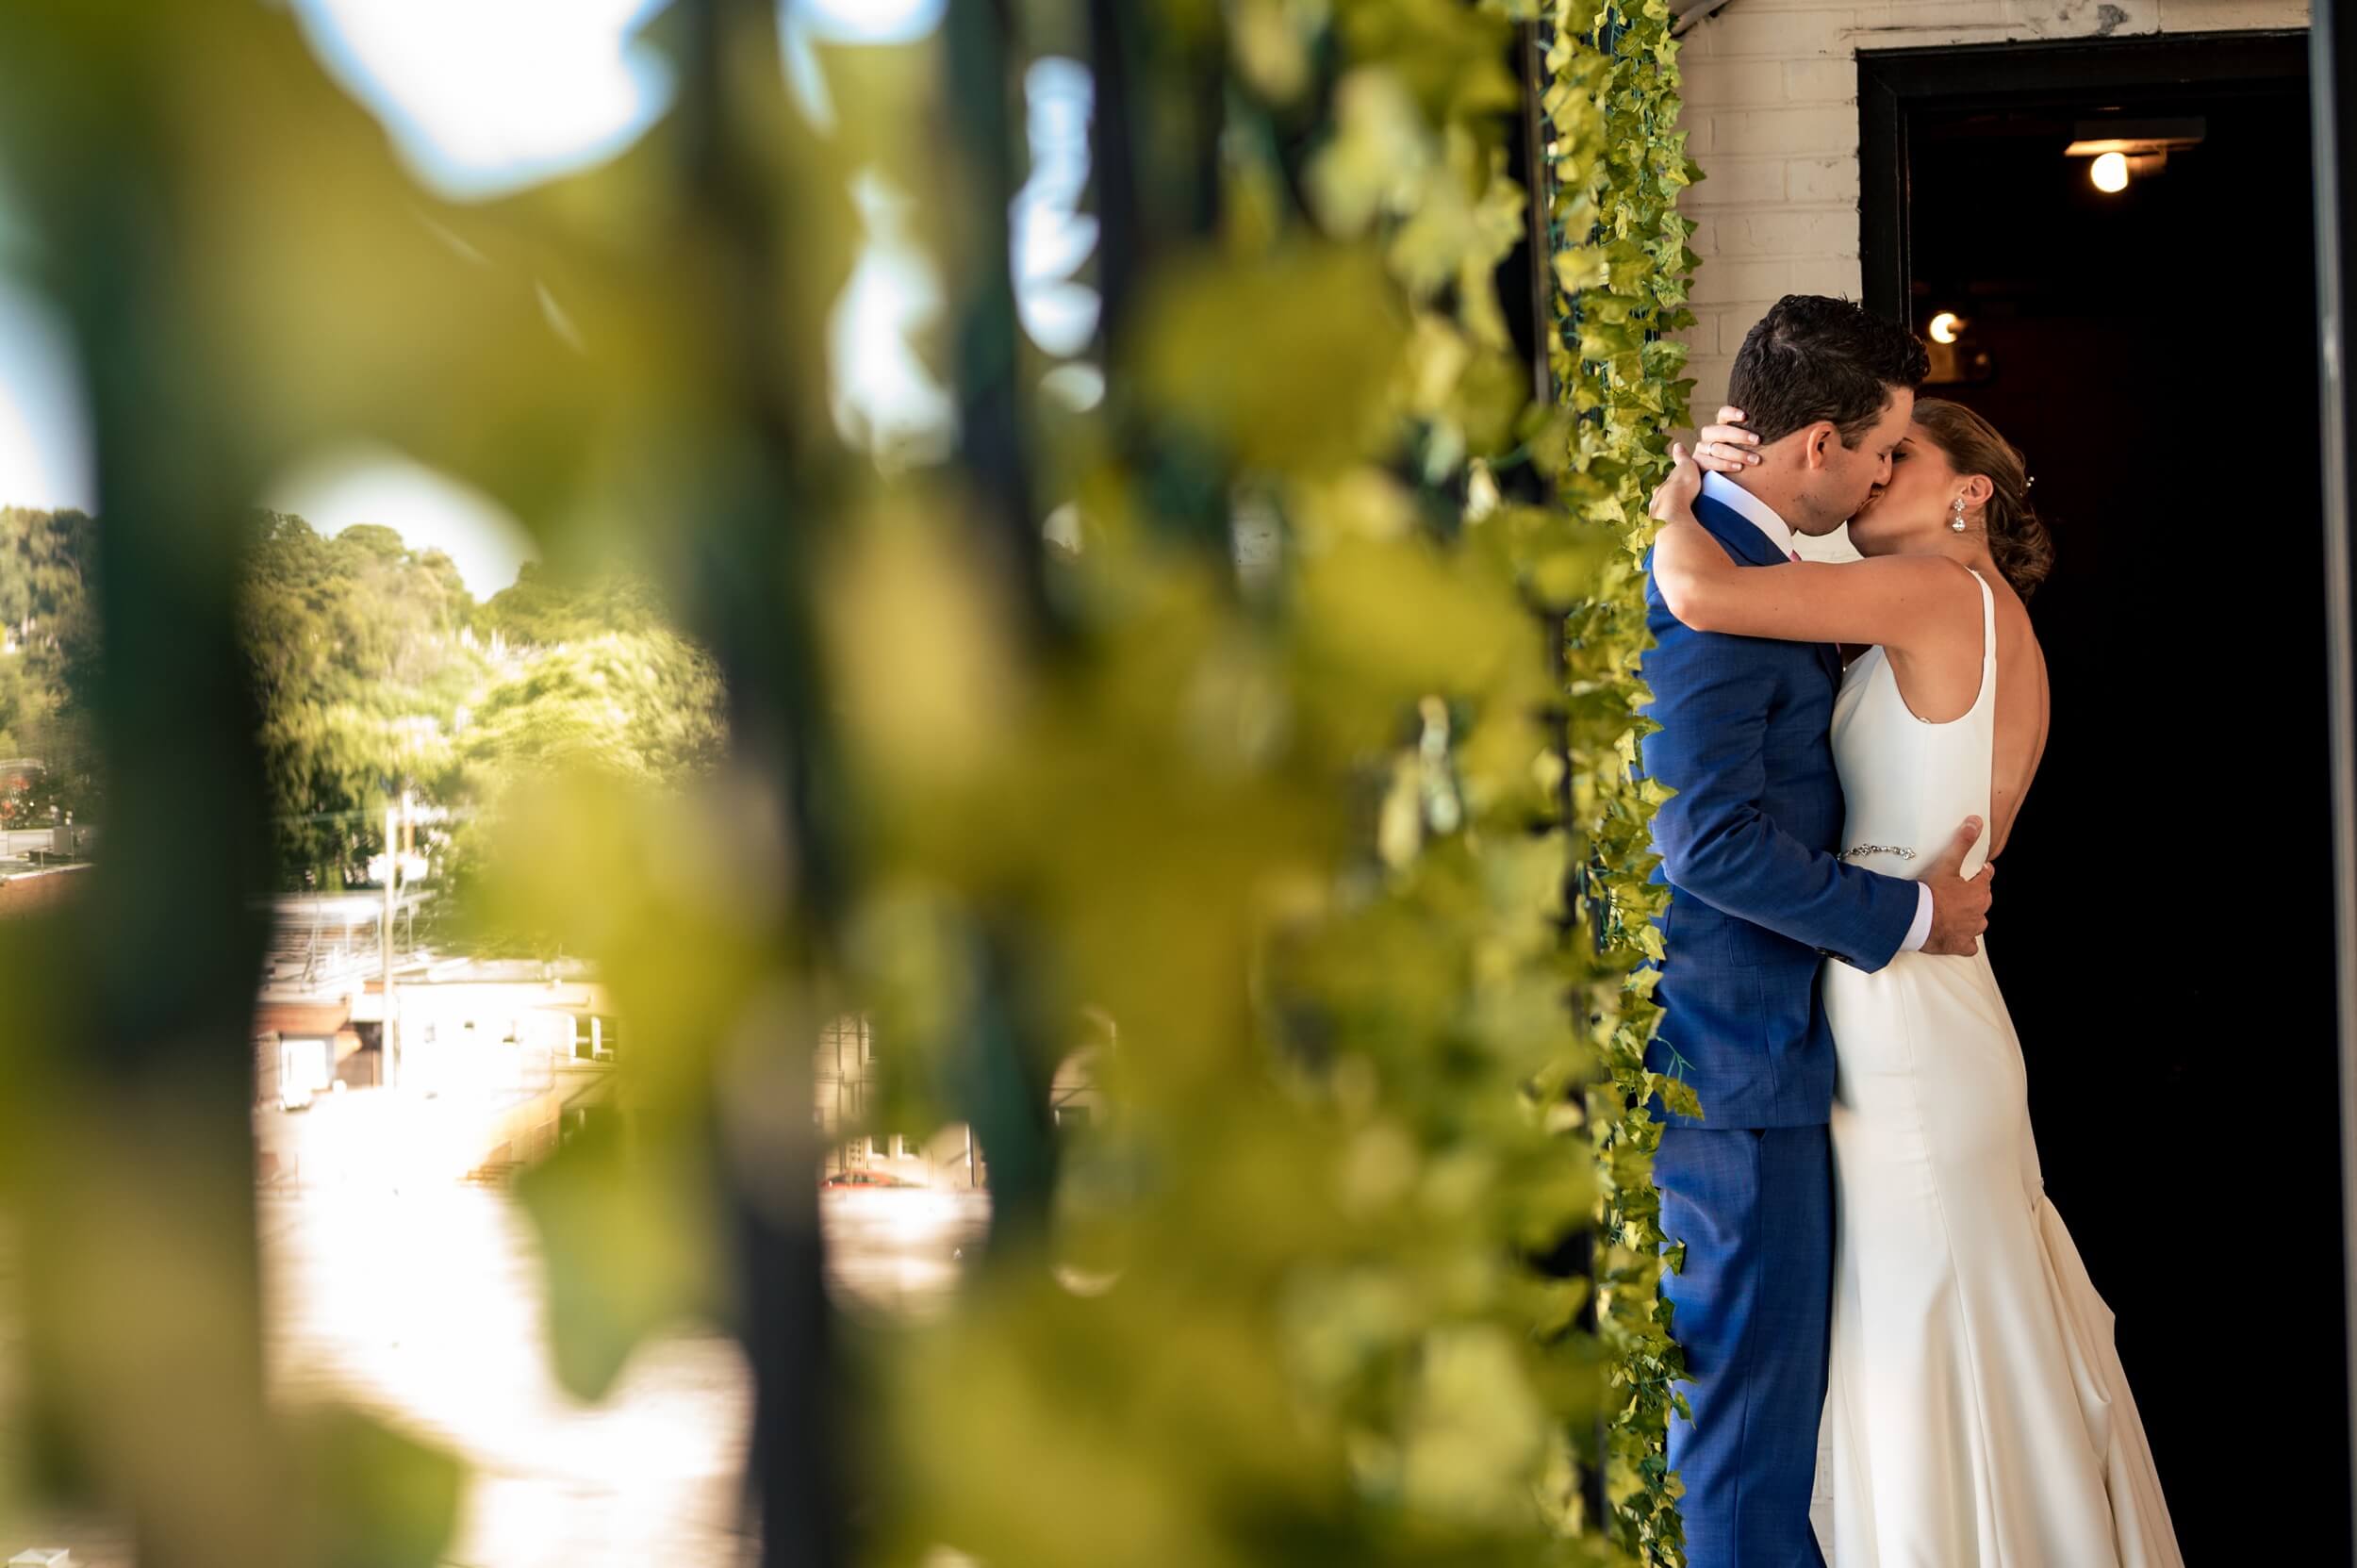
(376, 1497)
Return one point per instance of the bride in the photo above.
(1978, 1410)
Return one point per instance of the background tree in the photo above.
(379, 676)
(48, 658)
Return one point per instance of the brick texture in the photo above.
(1771, 92)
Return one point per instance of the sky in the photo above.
(44, 443)
(361, 482)
(484, 97)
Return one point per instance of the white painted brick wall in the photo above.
(1771, 90)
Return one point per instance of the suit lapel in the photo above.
(1741, 536)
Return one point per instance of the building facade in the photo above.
(845, 1103)
(1771, 115)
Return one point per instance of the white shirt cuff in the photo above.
(1921, 931)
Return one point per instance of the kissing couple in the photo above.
(1869, 1245)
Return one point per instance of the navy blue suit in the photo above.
(1749, 846)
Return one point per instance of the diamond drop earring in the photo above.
(1957, 523)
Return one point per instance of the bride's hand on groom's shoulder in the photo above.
(1724, 446)
(1673, 500)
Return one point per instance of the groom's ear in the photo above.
(1818, 441)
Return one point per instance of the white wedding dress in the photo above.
(1977, 1415)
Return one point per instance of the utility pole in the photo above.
(384, 946)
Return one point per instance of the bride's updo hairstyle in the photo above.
(2018, 542)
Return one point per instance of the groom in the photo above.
(1750, 843)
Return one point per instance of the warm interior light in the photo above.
(2094, 137)
(2109, 172)
(1945, 327)
(2130, 146)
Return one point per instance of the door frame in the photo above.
(1896, 85)
(2333, 81)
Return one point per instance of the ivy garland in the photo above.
(1616, 162)
(1612, 169)
(1312, 1327)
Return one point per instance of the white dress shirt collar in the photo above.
(1726, 492)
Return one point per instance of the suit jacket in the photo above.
(1749, 846)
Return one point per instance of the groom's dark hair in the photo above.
(1813, 358)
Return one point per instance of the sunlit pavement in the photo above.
(899, 1250)
(424, 1307)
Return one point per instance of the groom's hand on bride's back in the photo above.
(1959, 904)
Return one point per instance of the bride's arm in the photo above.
(1905, 601)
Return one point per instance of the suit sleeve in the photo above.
(1712, 702)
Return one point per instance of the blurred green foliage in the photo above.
(1333, 858)
(49, 649)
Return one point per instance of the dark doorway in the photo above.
(2165, 920)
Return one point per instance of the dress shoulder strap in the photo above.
(1988, 621)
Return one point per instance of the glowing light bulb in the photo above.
(1945, 327)
(2110, 172)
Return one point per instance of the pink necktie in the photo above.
(1796, 555)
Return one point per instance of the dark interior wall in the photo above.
(2164, 921)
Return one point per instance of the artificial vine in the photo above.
(1318, 1324)
(1616, 162)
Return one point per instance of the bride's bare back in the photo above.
(2024, 709)
(1949, 668)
